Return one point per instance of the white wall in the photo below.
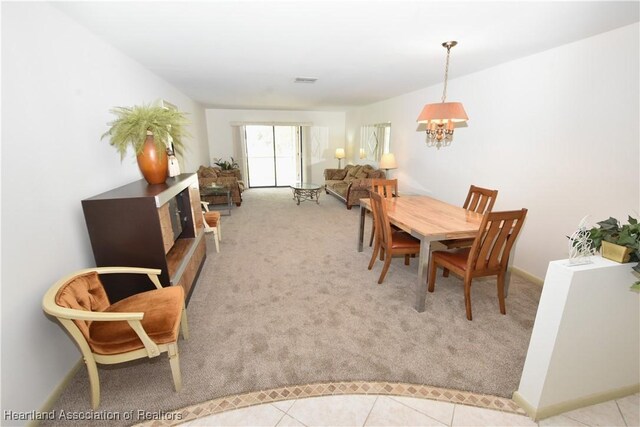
(556, 132)
(59, 82)
(328, 132)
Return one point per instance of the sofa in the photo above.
(231, 179)
(351, 183)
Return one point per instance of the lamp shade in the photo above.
(340, 153)
(443, 112)
(388, 161)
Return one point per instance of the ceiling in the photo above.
(246, 54)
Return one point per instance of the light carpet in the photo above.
(289, 301)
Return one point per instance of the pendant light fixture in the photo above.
(440, 117)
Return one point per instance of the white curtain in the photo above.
(240, 150)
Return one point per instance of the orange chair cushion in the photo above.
(458, 258)
(403, 240)
(212, 218)
(162, 310)
(84, 292)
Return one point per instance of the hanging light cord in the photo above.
(446, 73)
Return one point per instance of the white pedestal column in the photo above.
(585, 343)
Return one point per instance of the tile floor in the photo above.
(379, 410)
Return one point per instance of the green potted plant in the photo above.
(149, 131)
(226, 165)
(618, 242)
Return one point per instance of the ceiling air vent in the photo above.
(305, 80)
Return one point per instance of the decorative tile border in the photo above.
(229, 403)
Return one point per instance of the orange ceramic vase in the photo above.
(153, 165)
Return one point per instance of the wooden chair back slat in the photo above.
(496, 255)
(498, 231)
(381, 219)
(486, 243)
(387, 188)
(480, 199)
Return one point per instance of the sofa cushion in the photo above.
(332, 183)
(339, 187)
(231, 172)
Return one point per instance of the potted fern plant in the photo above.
(149, 131)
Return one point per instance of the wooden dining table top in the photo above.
(429, 217)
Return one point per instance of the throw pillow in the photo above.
(361, 175)
(339, 175)
(377, 174)
(353, 171)
(207, 172)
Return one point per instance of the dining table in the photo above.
(428, 220)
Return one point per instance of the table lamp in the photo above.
(388, 161)
(340, 155)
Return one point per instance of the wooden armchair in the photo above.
(142, 325)
(488, 256)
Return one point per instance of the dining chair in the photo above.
(478, 200)
(212, 224)
(143, 325)
(392, 242)
(387, 188)
(488, 256)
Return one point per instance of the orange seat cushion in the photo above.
(162, 310)
(402, 240)
(458, 258)
(212, 218)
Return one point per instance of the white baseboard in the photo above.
(569, 405)
(55, 394)
(526, 275)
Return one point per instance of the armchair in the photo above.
(142, 325)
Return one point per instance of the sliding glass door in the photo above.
(273, 155)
